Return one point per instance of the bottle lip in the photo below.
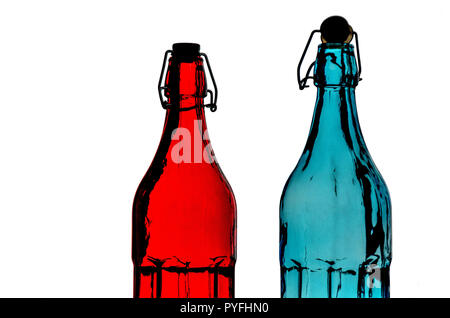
(328, 45)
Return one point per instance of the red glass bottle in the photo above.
(184, 211)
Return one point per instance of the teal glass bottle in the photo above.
(335, 210)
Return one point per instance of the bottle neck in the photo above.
(185, 84)
(185, 137)
(335, 123)
(336, 66)
(335, 127)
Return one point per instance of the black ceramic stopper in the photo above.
(185, 51)
(335, 29)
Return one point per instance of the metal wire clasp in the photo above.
(302, 82)
(212, 105)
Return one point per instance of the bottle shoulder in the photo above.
(179, 208)
(330, 209)
(334, 177)
(185, 183)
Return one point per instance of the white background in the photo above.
(80, 122)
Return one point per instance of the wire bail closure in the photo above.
(302, 82)
(212, 105)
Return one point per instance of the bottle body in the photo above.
(184, 212)
(335, 210)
